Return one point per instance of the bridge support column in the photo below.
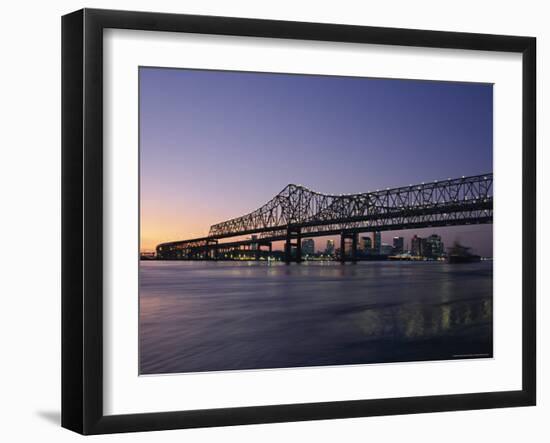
(298, 248)
(293, 233)
(353, 247)
(288, 248)
(211, 249)
(342, 248)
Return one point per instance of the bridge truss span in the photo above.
(296, 205)
(297, 212)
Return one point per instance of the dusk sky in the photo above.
(216, 145)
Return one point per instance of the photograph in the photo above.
(292, 220)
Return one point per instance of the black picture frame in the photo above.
(82, 218)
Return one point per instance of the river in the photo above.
(211, 316)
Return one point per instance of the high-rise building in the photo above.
(329, 250)
(308, 246)
(425, 248)
(376, 242)
(398, 245)
(434, 246)
(365, 244)
(416, 245)
(431, 246)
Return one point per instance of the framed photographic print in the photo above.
(269, 221)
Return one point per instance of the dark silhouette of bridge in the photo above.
(297, 212)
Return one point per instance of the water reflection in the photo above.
(200, 316)
(421, 321)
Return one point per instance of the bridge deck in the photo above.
(298, 211)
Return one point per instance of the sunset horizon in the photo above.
(215, 145)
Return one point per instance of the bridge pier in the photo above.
(342, 248)
(211, 249)
(354, 248)
(293, 233)
(353, 252)
(288, 250)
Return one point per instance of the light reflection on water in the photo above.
(206, 316)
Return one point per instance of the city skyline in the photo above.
(215, 145)
(320, 244)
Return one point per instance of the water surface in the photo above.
(211, 316)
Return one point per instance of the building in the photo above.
(434, 246)
(365, 243)
(386, 249)
(431, 246)
(329, 250)
(425, 248)
(398, 245)
(308, 246)
(416, 245)
(376, 242)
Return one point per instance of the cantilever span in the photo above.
(297, 211)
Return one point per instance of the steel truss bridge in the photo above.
(298, 212)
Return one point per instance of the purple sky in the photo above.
(217, 144)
